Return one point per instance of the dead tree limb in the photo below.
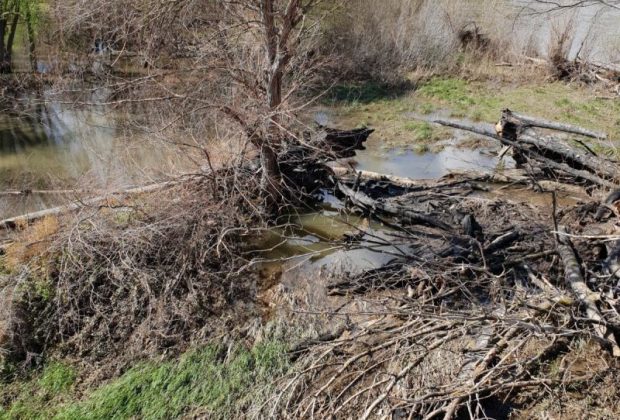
(25, 219)
(363, 201)
(527, 121)
(574, 280)
(550, 152)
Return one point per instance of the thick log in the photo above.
(42, 192)
(363, 201)
(506, 176)
(575, 157)
(574, 280)
(527, 121)
(550, 152)
(482, 129)
(375, 176)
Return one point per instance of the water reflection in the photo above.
(595, 27)
(319, 239)
(56, 145)
(409, 164)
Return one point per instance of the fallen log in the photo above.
(527, 121)
(403, 182)
(586, 297)
(549, 152)
(26, 192)
(25, 219)
(513, 176)
(363, 201)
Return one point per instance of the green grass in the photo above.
(57, 378)
(35, 399)
(481, 101)
(363, 93)
(210, 381)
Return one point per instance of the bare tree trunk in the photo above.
(271, 173)
(12, 31)
(31, 41)
(5, 64)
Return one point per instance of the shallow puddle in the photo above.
(410, 164)
(312, 241)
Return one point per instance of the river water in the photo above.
(56, 145)
(595, 27)
(50, 145)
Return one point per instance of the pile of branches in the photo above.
(489, 301)
(126, 280)
(586, 72)
(487, 312)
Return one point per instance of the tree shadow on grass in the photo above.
(365, 92)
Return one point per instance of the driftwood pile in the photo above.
(491, 298)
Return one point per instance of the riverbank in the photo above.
(284, 310)
(457, 273)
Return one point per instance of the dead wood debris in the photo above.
(493, 296)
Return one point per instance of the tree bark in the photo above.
(31, 41)
(5, 64)
(575, 281)
(270, 179)
(527, 121)
(12, 31)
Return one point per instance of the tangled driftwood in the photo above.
(491, 294)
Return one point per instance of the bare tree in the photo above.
(262, 71)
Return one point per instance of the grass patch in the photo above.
(454, 91)
(213, 381)
(480, 101)
(57, 378)
(38, 397)
(364, 93)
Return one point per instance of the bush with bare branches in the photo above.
(128, 280)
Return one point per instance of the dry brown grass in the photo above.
(385, 42)
(30, 241)
(133, 281)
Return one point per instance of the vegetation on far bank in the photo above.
(397, 115)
